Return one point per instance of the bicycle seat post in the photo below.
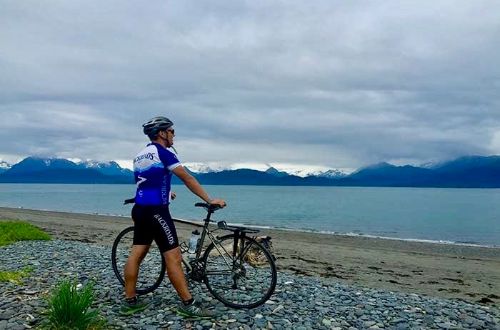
(209, 214)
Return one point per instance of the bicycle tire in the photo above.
(152, 268)
(256, 281)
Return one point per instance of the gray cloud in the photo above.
(339, 84)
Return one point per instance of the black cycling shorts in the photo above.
(154, 223)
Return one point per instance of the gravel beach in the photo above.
(324, 281)
(300, 302)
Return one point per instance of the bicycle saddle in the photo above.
(209, 207)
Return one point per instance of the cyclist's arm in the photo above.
(195, 186)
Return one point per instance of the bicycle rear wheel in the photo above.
(239, 272)
(152, 269)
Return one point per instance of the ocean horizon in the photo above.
(437, 215)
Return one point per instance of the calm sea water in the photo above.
(469, 216)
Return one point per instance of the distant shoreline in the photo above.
(214, 183)
(361, 235)
(262, 227)
(470, 273)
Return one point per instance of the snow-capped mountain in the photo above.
(205, 168)
(275, 169)
(107, 168)
(34, 164)
(464, 172)
(4, 166)
(60, 170)
(331, 174)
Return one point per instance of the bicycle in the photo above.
(236, 269)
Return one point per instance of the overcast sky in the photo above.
(339, 84)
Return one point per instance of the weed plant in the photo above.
(13, 231)
(15, 276)
(69, 308)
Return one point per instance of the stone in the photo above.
(446, 325)
(6, 315)
(368, 324)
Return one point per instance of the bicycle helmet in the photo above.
(156, 124)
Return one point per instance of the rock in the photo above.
(397, 320)
(277, 309)
(368, 324)
(446, 325)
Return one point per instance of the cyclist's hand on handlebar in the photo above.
(219, 202)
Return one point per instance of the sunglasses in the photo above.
(171, 131)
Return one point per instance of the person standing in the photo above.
(153, 169)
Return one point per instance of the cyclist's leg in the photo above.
(143, 238)
(168, 242)
(173, 260)
(131, 270)
(188, 307)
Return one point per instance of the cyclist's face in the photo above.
(170, 136)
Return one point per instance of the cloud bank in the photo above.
(328, 83)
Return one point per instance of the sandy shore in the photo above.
(441, 270)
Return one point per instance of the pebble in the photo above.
(300, 302)
(368, 324)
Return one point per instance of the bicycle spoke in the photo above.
(150, 271)
(248, 282)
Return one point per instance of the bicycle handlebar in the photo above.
(129, 201)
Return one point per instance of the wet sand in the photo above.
(440, 270)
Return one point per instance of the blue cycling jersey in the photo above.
(153, 172)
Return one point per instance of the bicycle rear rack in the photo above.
(241, 229)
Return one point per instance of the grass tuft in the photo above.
(69, 308)
(13, 231)
(15, 276)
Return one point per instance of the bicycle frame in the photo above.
(206, 232)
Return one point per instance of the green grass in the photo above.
(15, 276)
(69, 308)
(13, 231)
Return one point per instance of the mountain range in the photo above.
(464, 172)
(56, 170)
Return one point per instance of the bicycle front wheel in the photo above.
(152, 269)
(239, 272)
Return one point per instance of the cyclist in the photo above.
(153, 168)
